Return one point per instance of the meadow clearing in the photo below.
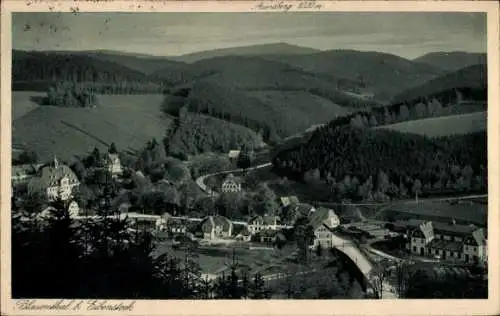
(444, 125)
(127, 120)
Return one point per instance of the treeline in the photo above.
(70, 94)
(443, 104)
(363, 164)
(38, 70)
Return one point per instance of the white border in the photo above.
(271, 307)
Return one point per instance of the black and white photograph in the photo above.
(248, 156)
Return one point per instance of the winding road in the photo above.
(200, 181)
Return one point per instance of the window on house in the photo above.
(414, 249)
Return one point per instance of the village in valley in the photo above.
(269, 229)
(266, 171)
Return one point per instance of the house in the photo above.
(287, 201)
(142, 221)
(233, 154)
(113, 164)
(292, 213)
(323, 221)
(465, 243)
(73, 209)
(259, 223)
(269, 236)
(231, 184)
(176, 226)
(55, 180)
(326, 216)
(213, 227)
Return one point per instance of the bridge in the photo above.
(364, 265)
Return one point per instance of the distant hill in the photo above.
(382, 74)
(451, 61)
(37, 70)
(144, 63)
(269, 96)
(251, 50)
(129, 121)
(472, 81)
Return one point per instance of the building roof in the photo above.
(51, 174)
(446, 245)
(428, 230)
(453, 229)
(289, 200)
(209, 222)
(233, 153)
(264, 220)
(231, 177)
(439, 227)
(304, 209)
(321, 216)
(479, 236)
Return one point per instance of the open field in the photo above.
(443, 125)
(22, 102)
(465, 212)
(127, 120)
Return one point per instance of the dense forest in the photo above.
(37, 71)
(471, 81)
(200, 133)
(361, 164)
(69, 94)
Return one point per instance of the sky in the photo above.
(171, 34)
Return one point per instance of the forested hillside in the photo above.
(382, 75)
(198, 133)
(471, 82)
(261, 95)
(143, 63)
(37, 71)
(359, 163)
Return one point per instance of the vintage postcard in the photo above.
(249, 157)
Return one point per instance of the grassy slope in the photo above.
(22, 102)
(129, 121)
(463, 213)
(442, 126)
